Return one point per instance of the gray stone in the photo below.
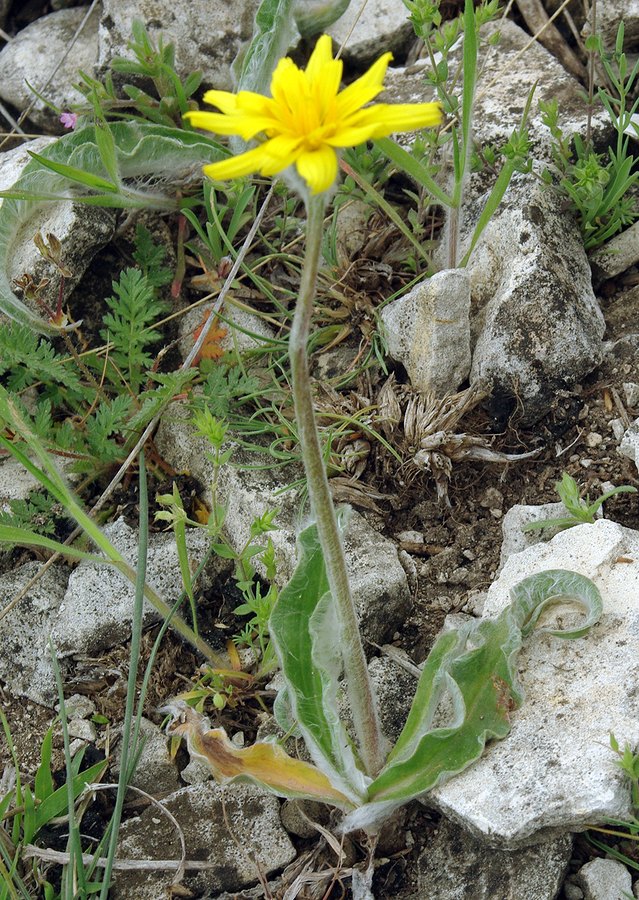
(25, 660)
(395, 688)
(507, 72)
(35, 52)
(16, 482)
(428, 331)
(514, 539)
(81, 230)
(455, 866)
(195, 772)
(365, 28)
(243, 330)
(629, 445)
(251, 840)
(156, 773)
(616, 255)
(609, 14)
(85, 731)
(604, 879)
(98, 605)
(377, 577)
(78, 706)
(207, 34)
(556, 771)
(536, 324)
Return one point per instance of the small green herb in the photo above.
(580, 510)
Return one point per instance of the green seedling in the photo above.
(580, 510)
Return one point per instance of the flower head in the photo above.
(307, 118)
(69, 119)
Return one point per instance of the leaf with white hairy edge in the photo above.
(473, 672)
(264, 763)
(306, 635)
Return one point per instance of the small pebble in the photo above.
(238, 739)
(572, 892)
(586, 463)
(618, 428)
(594, 439)
(631, 390)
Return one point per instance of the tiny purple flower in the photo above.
(69, 120)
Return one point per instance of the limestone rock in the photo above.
(555, 771)
(616, 255)
(377, 577)
(25, 659)
(251, 837)
(609, 14)
(369, 28)
(506, 73)
(98, 605)
(428, 331)
(455, 866)
(536, 325)
(604, 879)
(207, 34)
(156, 773)
(35, 51)
(630, 443)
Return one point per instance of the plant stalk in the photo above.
(360, 693)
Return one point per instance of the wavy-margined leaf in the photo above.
(264, 762)
(306, 636)
(470, 672)
(278, 24)
(152, 161)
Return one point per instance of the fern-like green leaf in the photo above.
(133, 309)
(26, 358)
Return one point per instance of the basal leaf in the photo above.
(264, 762)
(471, 674)
(306, 636)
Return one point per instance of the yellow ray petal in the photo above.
(393, 117)
(236, 166)
(318, 168)
(224, 100)
(321, 55)
(365, 89)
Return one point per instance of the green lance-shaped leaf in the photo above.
(470, 672)
(306, 635)
(151, 162)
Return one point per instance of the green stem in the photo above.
(362, 702)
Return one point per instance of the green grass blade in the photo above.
(412, 167)
(304, 631)
(94, 182)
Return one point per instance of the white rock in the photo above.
(555, 771)
(16, 483)
(25, 660)
(98, 604)
(507, 72)
(207, 34)
(34, 53)
(78, 706)
(12, 162)
(631, 390)
(428, 331)
(515, 539)
(616, 255)
(156, 773)
(377, 577)
(604, 879)
(365, 29)
(536, 325)
(630, 443)
(609, 14)
(230, 826)
(82, 729)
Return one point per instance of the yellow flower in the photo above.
(307, 118)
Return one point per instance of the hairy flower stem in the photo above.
(360, 693)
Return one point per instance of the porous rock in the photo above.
(156, 772)
(609, 14)
(555, 771)
(604, 879)
(377, 578)
(507, 72)
(98, 605)
(456, 866)
(428, 331)
(236, 828)
(364, 28)
(25, 657)
(33, 54)
(536, 325)
(616, 255)
(515, 539)
(629, 445)
(82, 230)
(206, 34)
